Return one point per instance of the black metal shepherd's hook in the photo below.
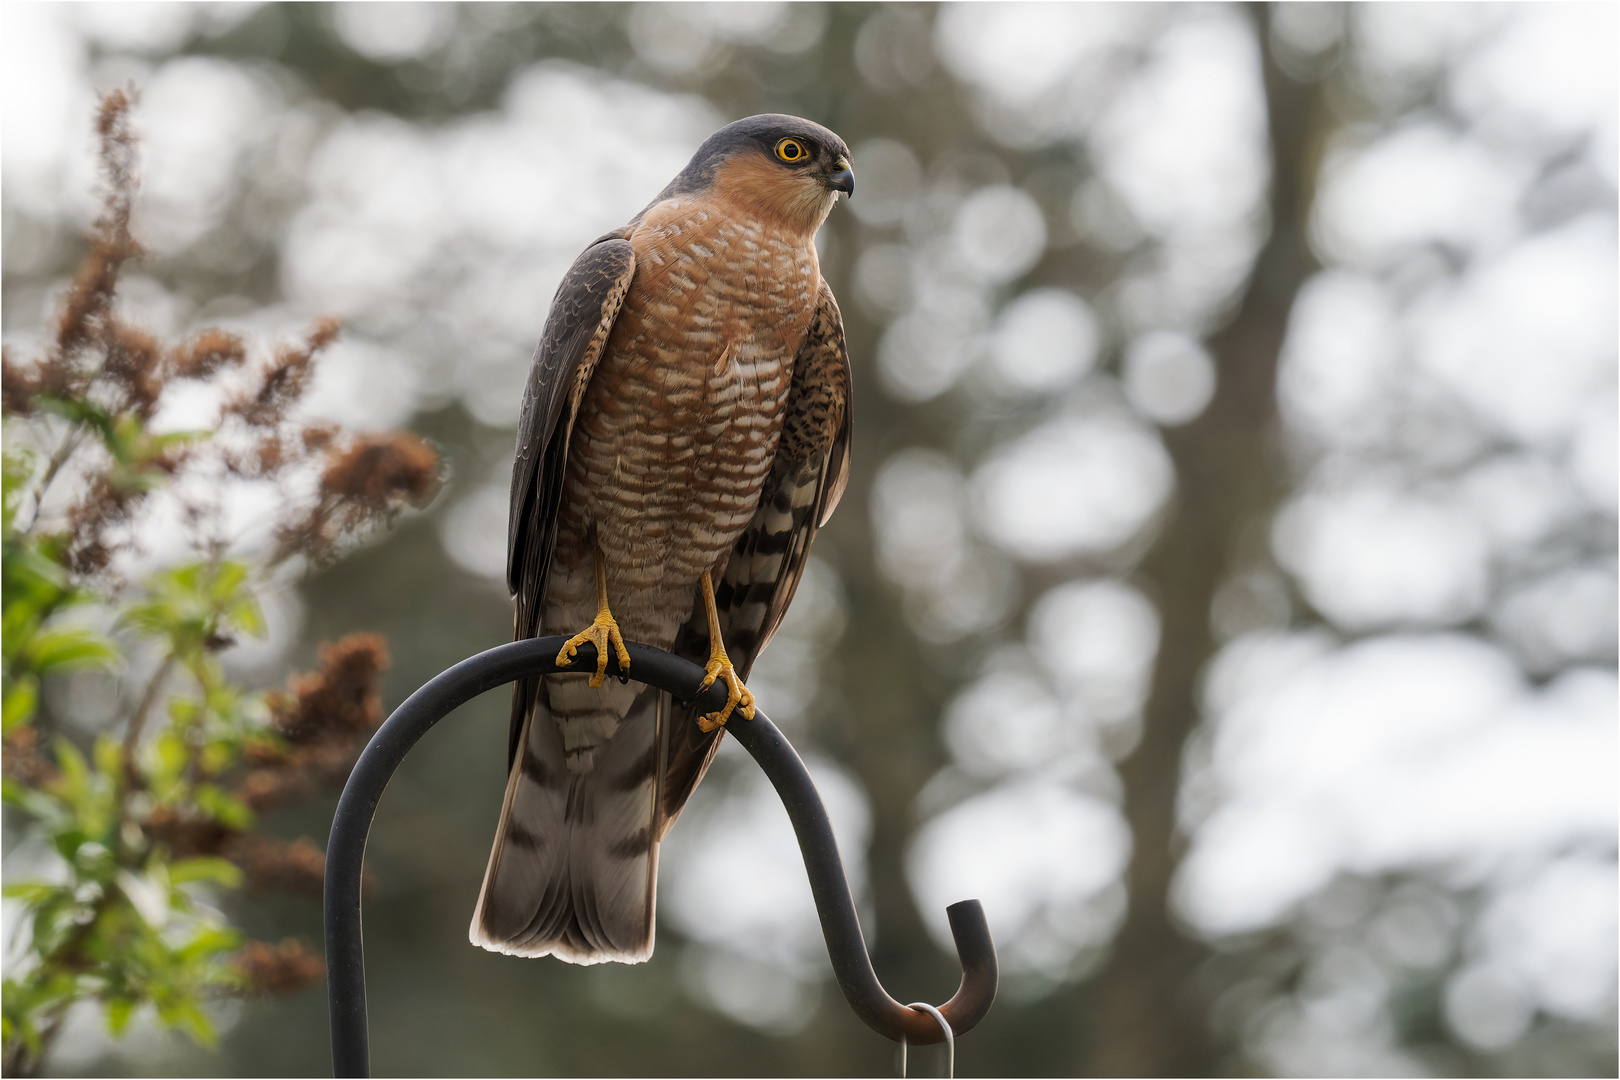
(345, 956)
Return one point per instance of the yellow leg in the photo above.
(601, 633)
(738, 696)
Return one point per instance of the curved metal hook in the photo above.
(846, 947)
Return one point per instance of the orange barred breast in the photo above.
(679, 425)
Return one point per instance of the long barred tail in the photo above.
(574, 870)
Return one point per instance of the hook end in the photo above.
(980, 971)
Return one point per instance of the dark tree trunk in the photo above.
(1145, 1013)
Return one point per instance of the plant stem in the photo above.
(132, 735)
(70, 443)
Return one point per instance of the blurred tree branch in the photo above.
(1147, 1018)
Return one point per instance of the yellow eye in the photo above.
(791, 150)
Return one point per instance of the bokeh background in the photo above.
(1225, 592)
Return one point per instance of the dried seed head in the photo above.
(90, 296)
(286, 379)
(132, 361)
(278, 969)
(22, 761)
(343, 698)
(18, 386)
(87, 300)
(187, 836)
(365, 480)
(269, 455)
(273, 864)
(266, 788)
(207, 352)
(383, 470)
(319, 436)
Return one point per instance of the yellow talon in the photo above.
(738, 696)
(602, 633)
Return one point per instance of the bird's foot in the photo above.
(603, 633)
(738, 696)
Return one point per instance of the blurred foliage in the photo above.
(137, 837)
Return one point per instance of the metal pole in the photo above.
(345, 852)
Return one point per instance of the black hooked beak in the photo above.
(843, 179)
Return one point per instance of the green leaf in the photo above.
(145, 448)
(228, 577)
(215, 757)
(75, 771)
(124, 439)
(184, 710)
(69, 841)
(247, 616)
(166, 758)
(69, 648)
(206, 868)
(92, 858)
(35, 586)
(80, 411)
(227, 810)
(119, 1011)
(31, 801)
(30, 892)
(209, 941)
(17, 471)
(194, 1022)
(21, 702)
(148, 894)
(108, 754)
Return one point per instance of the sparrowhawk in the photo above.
(684, 433)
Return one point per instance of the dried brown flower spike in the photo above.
(278, 969)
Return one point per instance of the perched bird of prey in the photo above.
(684, 433)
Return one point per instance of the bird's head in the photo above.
(783, 168)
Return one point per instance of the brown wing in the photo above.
(577, 329)
(807, 479)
